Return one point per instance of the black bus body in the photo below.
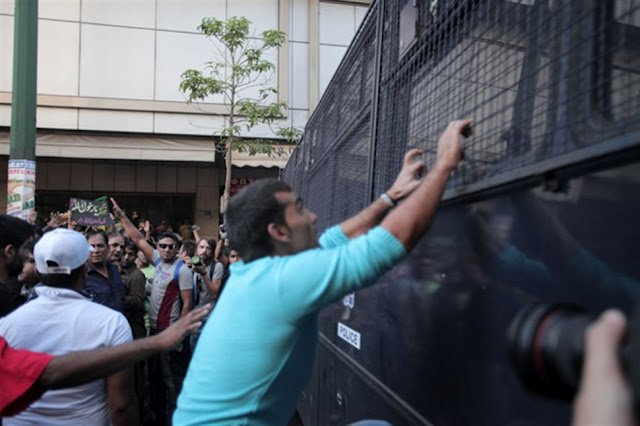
(544, 206)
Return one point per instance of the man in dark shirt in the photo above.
(134, 296)
(134, 283)
(14, 232)
(104, 284)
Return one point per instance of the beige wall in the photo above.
(116, 65)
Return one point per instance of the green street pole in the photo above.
(22, 154)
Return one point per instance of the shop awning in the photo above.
(142, 148)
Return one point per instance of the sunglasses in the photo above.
(167, 246)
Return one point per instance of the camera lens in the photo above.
(546, 345)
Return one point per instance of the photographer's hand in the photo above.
(200, 268)
(604, 396)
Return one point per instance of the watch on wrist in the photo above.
(385, 197)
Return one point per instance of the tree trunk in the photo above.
(227, 178)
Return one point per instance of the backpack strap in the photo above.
(194, 291)
(176, 273)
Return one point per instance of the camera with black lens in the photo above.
(546, 346)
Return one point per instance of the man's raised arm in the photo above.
(411, 219)
(403, 186)
(132, 232)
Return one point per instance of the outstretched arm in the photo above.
(218, 254)
(132, 232)
(80, 367)
(196, 234)
(404, 185)
(411, 219)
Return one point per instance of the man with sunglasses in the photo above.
(170, 300)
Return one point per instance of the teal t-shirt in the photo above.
(256, 352)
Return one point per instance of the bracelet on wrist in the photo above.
(385, 197)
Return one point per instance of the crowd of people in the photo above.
(90, 293)
(150, 275)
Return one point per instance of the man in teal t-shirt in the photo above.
(256, 351)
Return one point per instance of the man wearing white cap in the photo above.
(62, 319)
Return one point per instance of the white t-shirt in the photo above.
(59, 321)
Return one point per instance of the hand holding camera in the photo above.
(558, 350)
(604, 396)
(197, 265)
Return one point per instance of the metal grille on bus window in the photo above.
(477, 63)
(349, 95)
(350, 176)
(547, 84)
(337, 186)
(624, 63)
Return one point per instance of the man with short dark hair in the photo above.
(61, 320)
(29, 277)
(187, 251)
(14, 232)
(171, 298)
(134, 311)
(134, 292)
(116, 247)
(256, 352)
(104, 283)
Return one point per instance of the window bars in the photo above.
(547, 84)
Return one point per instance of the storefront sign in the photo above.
(21, 188)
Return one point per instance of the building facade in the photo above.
(112, 121)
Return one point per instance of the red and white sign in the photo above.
(238, 183)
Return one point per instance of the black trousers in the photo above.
(166, 371)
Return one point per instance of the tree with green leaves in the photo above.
(291, 134)
(238, 69)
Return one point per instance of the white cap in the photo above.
(61, 251)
